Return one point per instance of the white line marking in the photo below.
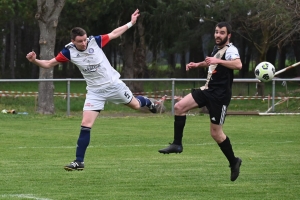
(23, 196)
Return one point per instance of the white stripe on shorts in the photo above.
(223, 115)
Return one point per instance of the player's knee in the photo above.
(217, 134)
(87, 123)
(134, 104)
(178, 108)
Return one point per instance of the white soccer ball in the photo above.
(264, 71)
(4, 111)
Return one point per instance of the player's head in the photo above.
(222, 33)
(79, 38)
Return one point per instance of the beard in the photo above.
(224, 41)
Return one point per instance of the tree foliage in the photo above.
(168, 30)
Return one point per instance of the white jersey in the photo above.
(92, 62)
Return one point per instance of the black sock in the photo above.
(179, 124)
(226, 148)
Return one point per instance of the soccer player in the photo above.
(103, 83)
(215, 95)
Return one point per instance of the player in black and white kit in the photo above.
(103, 83)
(215, 95)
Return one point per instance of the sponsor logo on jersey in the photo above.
(91, 68)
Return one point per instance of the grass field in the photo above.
(122, 161)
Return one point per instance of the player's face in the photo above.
(80, 42)
(221, 36)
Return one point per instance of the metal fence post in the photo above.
(173, 94)
(273, 95)
(68, 96)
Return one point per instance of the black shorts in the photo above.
(217, 108)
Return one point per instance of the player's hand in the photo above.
(190, 66)
(211, 60)
(134, 16)
(31, 56)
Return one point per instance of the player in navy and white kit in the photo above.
(103, 81)
(215, 95)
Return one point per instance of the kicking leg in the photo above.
(141, 101)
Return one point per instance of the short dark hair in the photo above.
(77, 31)
(225, 24)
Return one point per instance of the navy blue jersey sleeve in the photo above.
(98, 40)
(66, 53)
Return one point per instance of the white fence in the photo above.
(172, 80)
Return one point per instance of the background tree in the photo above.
(7, 10)
(48, 12)
(168, 33)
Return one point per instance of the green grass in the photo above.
(122, 161)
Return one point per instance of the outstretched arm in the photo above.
(120, 30)
(31, 56)
(195, 65)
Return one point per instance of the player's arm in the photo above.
(195, 65)
(120, 30)
(31, 56)
(234, 64)
(232, 59)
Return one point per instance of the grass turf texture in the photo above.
(122, 161)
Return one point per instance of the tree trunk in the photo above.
(272, 54)
(128, 70)
(36, 48)
(139, 54)
(47, 16)
(172, 64)
(182, 65)
(19, 70)
(133, 54)
(197, 55)
(296, 48)
(281, 59)
(12, 49)
(3, 54)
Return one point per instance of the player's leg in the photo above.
(91, 111)
(88, 119)
(144, 101)
(217, 117)
(120, 93)
(140, 101)
(180, 109)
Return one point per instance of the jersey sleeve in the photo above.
(63, 56)
(232, 53)
(102, 40)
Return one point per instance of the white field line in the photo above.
(136, 145)
(22, 196)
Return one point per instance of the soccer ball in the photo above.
(264, 71)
